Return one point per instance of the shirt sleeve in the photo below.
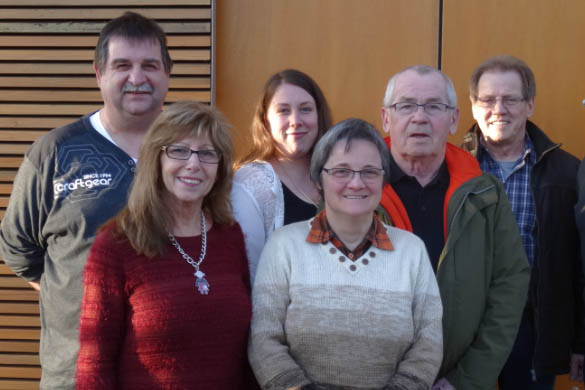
(21, 240)
(579, 265)
(422, 360)
(268, 350)
(102, 322)
(249, 215)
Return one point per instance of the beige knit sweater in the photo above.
(320, 318)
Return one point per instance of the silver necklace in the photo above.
(304, 197)
(200, 282)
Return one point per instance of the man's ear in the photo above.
(476, 112)
(385, 120)
(454, 121)
(98, 74)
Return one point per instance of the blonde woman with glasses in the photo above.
(166, 300)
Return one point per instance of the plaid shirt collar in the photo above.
(321, 233)
(488, 164)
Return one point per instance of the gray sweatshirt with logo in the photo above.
(72, 180)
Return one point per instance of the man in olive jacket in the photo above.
(463, 215)
(540, 181)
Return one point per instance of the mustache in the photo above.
(146, 87)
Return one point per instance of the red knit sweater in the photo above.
(145, 326)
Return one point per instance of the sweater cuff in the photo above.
(406, 382)
(284, 380)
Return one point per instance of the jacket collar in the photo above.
(461, 166)
(542, 144)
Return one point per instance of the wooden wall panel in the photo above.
(350, 47)
(547, 35)
(47, 80)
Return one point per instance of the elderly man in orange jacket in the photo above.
(438, 191)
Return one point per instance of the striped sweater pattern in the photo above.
(318, 317)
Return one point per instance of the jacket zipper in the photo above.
(459, 207)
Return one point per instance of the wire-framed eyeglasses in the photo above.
(178, 152)
(431, 108)
(491, 101)
(346, 174)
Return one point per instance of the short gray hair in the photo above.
(347, 130)
(421, 70)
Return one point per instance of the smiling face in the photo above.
(293, 120)
(501, 124)
(355, 197)
(187, 182)
(133, 82)
(419, 134)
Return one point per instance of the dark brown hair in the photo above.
(263, 147)
(131, 26)
(504, 63)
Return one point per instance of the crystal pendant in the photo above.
(201, 284)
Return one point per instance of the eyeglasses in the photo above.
(178, 152)
(346, 174)
(491, 101)
(408, 108)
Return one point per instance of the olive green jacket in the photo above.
(483, 276)
(483, 273)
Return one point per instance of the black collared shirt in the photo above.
(424, 206)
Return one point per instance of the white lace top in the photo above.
(258, 204)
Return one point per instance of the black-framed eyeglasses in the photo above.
(431, 108)
(178, 152)
(346, 174)
(491, 101)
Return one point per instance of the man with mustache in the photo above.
(540, 180)
(438, 192)
(76, 177)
